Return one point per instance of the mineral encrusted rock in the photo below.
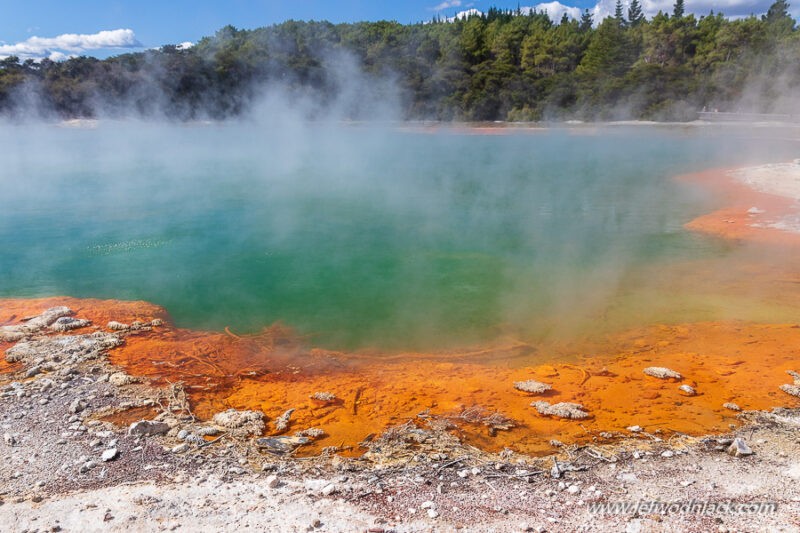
(117, 326)
(313, 433)
(282, 422)
(661, 372)
(67, 323)
(532, 386)
(120, 379)
(739, 448)
(574, 411)
(33, 324)
(323, 396)
(207, 431)
(281, 445)
(795, 376)
(109, 455)
(148, 427)
(241, 423)
(794, 390)
(732, 406)
(688, 390)
(68, 349)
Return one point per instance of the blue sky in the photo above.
(153, 23)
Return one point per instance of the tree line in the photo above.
(500, 65)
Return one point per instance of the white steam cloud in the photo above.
(63, 46)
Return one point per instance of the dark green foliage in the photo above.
(618, 14)
(587, 20)
(678, 9)
(503, 65)
(635, 14)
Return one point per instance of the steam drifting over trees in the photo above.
(502, 65)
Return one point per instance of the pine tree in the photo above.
(635, 15)
(677, 10)
(587, 21)
(777, 13)
(618, 14)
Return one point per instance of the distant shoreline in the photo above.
(760, 203)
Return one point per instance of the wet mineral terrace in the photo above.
(736, 362)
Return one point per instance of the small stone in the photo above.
(432, 514)
(475, 471)
(328, 489)
(661, 372)
(574, 490)
(688, 390)
(568, 410)
(180, 448)
(117, 326)
(323, 397)
(739, 448)
(532, 386)
(9, 439)
(148, 427)
(77, 406)
(731, 406)
(241, 423)
(635, 429)
(273, 481)
(109, 455)
(428, 505)
(463, 473)
(120, 379)
(85, 467)
(667, 454)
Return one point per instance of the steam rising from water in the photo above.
(368, 234)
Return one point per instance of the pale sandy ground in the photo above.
(298, 505)
(781, 179)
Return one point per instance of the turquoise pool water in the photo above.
(363, 235)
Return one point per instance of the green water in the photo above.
(361, 236)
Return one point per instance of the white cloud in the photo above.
(185, 45)
(70, 44)
(465, 14)
(447, 4)
(555, 10)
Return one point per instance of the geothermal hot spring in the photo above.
(410, 270)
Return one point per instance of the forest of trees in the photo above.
(502, 65)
